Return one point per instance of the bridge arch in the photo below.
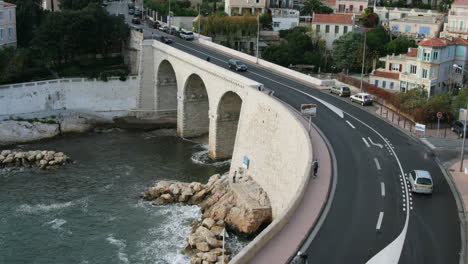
(227, 120)
(193, 108)
(166, 88)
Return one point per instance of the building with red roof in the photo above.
(7, 24)
(457, 21)
(431, 65)
(332, 26)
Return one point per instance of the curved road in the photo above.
(371, 202)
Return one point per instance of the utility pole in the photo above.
(199, 20)
(363, 58)
(258, 34)
(169, 18)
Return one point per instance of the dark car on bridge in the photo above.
(136, 21)
(237, 65)
(166, 40)
(458, 127)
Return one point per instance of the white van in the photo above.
(187, 35)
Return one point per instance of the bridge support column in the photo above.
(146, 96)
(192, 117)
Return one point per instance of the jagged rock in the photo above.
(183, 198)
(208, 223)
(8, 159)
(193, 239)
(59, 159)
(195, 260)
(198, 197)
(220, 223)
(168, 197)
(52, 162)
(25, 163)
(22, 131)
(31, 157)
(19, 155)
(219, 251)
(5, 152)
(39, 156)
(217, 230)
(75, 124)
(204, 232)
(213, 242)
(43, 162)
(159, 201)
(2, 157)
(59, 154)
(211, 258)
(203, 246)
(175, 190)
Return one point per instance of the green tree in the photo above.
(347, 51)
(265, 19)
(315, 6)
(413, 99)
(369, 18)
(28, 17)
(76, 4)
(400, 45)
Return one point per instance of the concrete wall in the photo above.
(267, 64)
(70, 94)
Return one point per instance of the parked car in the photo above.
(362, 98)
(237, 65)
(136, 21)
(458, 127)
(421, 181)
(137, 13)
(166, 40)
(174, 32)
(341, 90)
(187, 35)
(131, 6)
(131, 11)
(164, 28)
(153, 24)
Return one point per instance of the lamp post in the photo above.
(258, 34)
(462, 152)
(199, 20)
(363, 58)
(169, 18)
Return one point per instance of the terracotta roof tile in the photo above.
(389, 75)
(460, 2)
(333, 18)
(412, 53)
(442, 42)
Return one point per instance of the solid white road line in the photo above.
(365, 141)
(379, 222)
(382, 188)
(377, 163)
(351, 125)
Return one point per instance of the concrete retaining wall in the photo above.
(266, 64)
(70, 94)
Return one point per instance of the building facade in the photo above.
(350, 6)
(387, 14)
(51, 5)
(417, 27)
(240, 7)
(7, 24)
(284, 18)
(429, 66)
(332, 26)
(457, 24)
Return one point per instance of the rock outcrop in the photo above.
(242, 207)
(43, 159)
(24, 131)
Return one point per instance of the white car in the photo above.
(187, 35)
(421, 181)
(361, 98)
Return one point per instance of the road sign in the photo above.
(420, 127)
(309, 110)
(439, 115)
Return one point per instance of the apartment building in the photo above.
(417, 27)
(387, 14)
(350, 6)
(429, 66)
(240, 7)
(284, 18)
(332, 26)
(7, 24)
(457, 22)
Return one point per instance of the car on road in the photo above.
(174, 32)
(137, 13)
(166, 40)
(131, 11)
(137, 27)
(164, 28)
(421, 181)
(341, 90)
(187, 35)
(153, 24)
(458, 127)
(136, 21)
(361, 98)
(237, 65)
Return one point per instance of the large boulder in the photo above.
(22, 131)
(75, 124)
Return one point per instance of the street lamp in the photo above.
(169, 18)
(462, 153)
(258, 34)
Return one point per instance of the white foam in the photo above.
(57, 223)
(164, 243)
(39, 208)
(120, 244)
(201, 157)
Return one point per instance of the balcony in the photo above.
(457, 30)
(406, 77)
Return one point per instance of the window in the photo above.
(391, 85)
(395, 67)
(460, 51)
(327, 29)
(9, 14)
(413, 69)
(1, 33)
(317, 28)
(276, 24)
(384, 83)
(345, 29)
(458, 70)
(337, 29)
(396, 28)
(424, 73)
(376, 82)
(435, 55)
(351, 8)
(426, 55)
(360, 8)
(461, 25)
(10, 33)
(407, 28)
(1, 15)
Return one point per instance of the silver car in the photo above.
(421, 181)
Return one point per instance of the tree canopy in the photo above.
(369, 18)
(400, 45)
(315, 6)
(347, 51)
(178, 7)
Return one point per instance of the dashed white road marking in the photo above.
(377, 163)
(375, 144)
(365, 141)
(379, 221)
(351, 125)
(382, 188)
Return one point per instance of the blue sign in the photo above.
(246, 162)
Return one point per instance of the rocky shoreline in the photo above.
(41, 158)
(241, 207)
